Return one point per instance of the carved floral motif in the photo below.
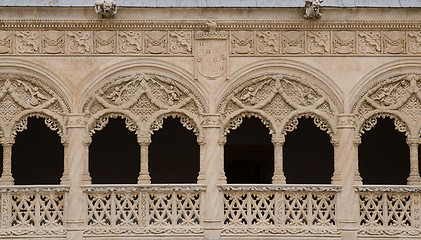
(414, 42)
(369, 42)
(318, 42)
(6, 39)
(27, 41)
(267, 42)
(180, 42)
(79, 41)
(130, 41)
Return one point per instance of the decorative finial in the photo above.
(211, 26)
(105, 8)
(312, 9)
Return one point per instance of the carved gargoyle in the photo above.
(312, 9)
(105, 8)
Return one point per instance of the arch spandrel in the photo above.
(144, 96)
(397, 97)
(23, 95)
(281, 98)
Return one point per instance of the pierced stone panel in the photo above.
(399, 93)
(143, 94)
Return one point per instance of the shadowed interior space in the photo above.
(383, 155)
(174, 154)
(114, 155)
(308, 155)
(37, 155)
(249, 153)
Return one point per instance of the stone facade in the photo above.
(211, 68)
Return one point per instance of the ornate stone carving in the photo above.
(210, 57)
(105, 8)
(27, 42)
(312, 9)
(293, 42)
(369, 42)
(343, 42)
(394, 42)
(53, 42)
(6, 39)
(272, 98)
(130, 41)
(180, 42)
(318, 42)
(267, 42)
(242, 42)
(414, 42)
(156, 42)
(105, 42)
(79, 41)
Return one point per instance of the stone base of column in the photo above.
(357, 179)
(349, 230)
(74, 230)
(201, 179)
(7, 180)
(86, 179)
(64, 180)
(144, 179)
(212, 229)
(414, 180)
(278, 179)
(336, 179)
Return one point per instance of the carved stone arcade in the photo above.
(210, 75)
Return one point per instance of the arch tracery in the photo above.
(145, 96)
(23, 96)
(282, 99)
(397, 97)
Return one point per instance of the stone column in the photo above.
(144, 141)
(278, 175)
(77, 157)
(65, 178)
(6, 176)
(414, 174)
(346, 174)
(212, 157)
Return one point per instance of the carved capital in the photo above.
(222, 140)
(87, 141)
(411, 141)
(334, 141)
(144, 140)
(76, 120)
(211, 120)
(7, 142)
(346, 121)
(65, 141)
(357, 141)
(278, 139)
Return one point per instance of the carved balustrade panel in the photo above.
(151, 209)
(278, 100)
(33, 211)
(275, 209)
(390, 211)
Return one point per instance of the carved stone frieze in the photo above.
(242, 42)
(394, 42)
(79, 42)
(274, 98)
(343, 42)
(369, 42)
(267, 42)
(27, 42)
(180, 42)
(130, 41)
(156, 42)
(318, 42)
(6, 42)
(414, 42)
(105, 42)
(53, 42)
(293, 42)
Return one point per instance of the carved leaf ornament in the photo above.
(23, 96)
(398, 97)
(279, 101)
(144, 100)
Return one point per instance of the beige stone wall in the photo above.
(213, 67)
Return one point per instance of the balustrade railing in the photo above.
(144, 209)
(390, 210)
(279, 209)
(33, 211)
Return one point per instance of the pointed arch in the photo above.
(187, 120)
(100, 119)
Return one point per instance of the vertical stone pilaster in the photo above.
(65, 178)
(414, 174)
(346, 174)
(144, 142)
(6, 176)
(278, 175)
(212, 158)
(78, 175)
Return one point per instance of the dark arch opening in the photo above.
(308, 155)
(174, 154)
(383, 155)
(248, 153)
(37, 155)
(114, 154)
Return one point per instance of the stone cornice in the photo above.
(111, 24)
